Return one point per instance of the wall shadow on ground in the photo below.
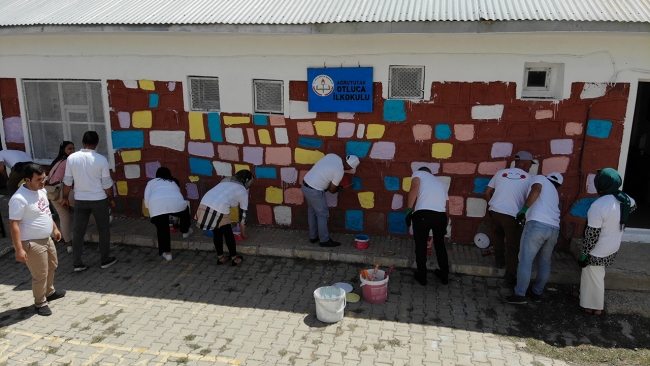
(470, 303)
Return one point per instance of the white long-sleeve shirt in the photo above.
(88, 171)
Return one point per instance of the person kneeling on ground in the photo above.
(163, 198)
(214, 213)
(31, 225)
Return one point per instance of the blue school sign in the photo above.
(346, 89)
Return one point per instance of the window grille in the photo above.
(63, 110)
(269, 96)
(205, 94)
(406, 82)
(542, 80)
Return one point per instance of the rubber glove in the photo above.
(521, 216)
(339, 189)
(582, 261)
(409, 216)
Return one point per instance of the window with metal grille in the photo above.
(542, 80)
(63, 110)
(406, 82)
(268, 96)
(205, 93)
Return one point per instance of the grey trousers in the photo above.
(82, 211)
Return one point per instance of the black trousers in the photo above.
(423, 221)
(224, 232)
(162, 228)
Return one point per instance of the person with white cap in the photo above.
(324, 176)
(506, 194)
(540, 216)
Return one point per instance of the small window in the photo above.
(542, 80)
(269, 96)
(406, 82)
(205, 94)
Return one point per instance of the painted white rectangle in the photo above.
(174, 140)
(487, 111)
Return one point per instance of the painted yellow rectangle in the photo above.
(264, 136)
(194, 178)
(406, 184)
(274, 195)
(375, 131)
(131, 156)
(239, 120)
(197, 130)
(145, 211)
(122, 188)
(234, 214)
(303, 156)
(366, 199)
(325, 128)
(441, 150)
(239, 167)
(142, 119)
(147, 84)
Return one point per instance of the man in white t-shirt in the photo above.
(93, 194)
(31, 224)
(541, 215)
(427, 208)
(506, 194)
(13, 160)
(324, 176)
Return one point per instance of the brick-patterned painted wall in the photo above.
(13, 127)
(465, 133)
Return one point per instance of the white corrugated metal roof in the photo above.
(252, 12)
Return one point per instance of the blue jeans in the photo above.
(537, 237)
(318, 213)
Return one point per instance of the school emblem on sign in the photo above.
(322, 85)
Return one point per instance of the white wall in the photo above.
(237, 59)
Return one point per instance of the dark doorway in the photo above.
(637, 172)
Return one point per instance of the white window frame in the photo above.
(29, 144)
(262, 111)
(390, 83)
(191, 99)
(554, 81)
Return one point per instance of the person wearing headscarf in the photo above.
(57, 170)
(214, 213)
(163, 198)
(606, 220)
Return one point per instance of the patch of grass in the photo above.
(394, 342)
(81, 302)
(314, 358)
(51, 350)
(182, 360)
(193, 346)
(117, 334)
(536, 363)
(189, 337)
(222, 348)
(103, 304)
(589, 354)
(97, 339)
(205, 351)
(33, 364)
(228, 340)
(292, 360)
(111, 329)
(98, 318)
(87, 327)
(282, 352)
(3, 334)
(339, 331)
(74, 325)
(304, 338)
(362, 348)
(316, 341)
(379, 346)
(6, 304)
(352, 327)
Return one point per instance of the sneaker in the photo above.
(111, 261)
(313, 241)
(80, 268)
(517, 300)
(533, 296)
(185, 236)
(168, 257)
(330, 243)
(44, 311)
(56, 295)
(69, 248)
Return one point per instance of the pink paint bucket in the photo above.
(361, 241)
(375, 291)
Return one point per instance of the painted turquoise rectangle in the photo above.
(265, 172)
(581, 208)
(127, 139)
(397, 223)
(153, 100)
(354, 220)
(391, 183)
(310, 142)
(200, 166)
(394, 111)
(356, 183)
(599, 128)
(214, 126)
(358, 148)
(443, 131)
(480, 184)
(260, 120)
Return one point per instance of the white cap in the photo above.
(352, 161)
(555, 177)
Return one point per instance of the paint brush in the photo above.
(389, 271)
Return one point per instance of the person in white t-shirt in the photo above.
(13, 160)
(427, 208)
(214, 213)
(606, 220)
(324, 176)
(541, 216)
(31, 225)
(162, 197)
(506, 194)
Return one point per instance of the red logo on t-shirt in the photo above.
(44, 206)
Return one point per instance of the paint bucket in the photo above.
(375, 292)
(361, 241)
(238, 237)
(330, 304)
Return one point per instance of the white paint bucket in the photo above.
(330, 304)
